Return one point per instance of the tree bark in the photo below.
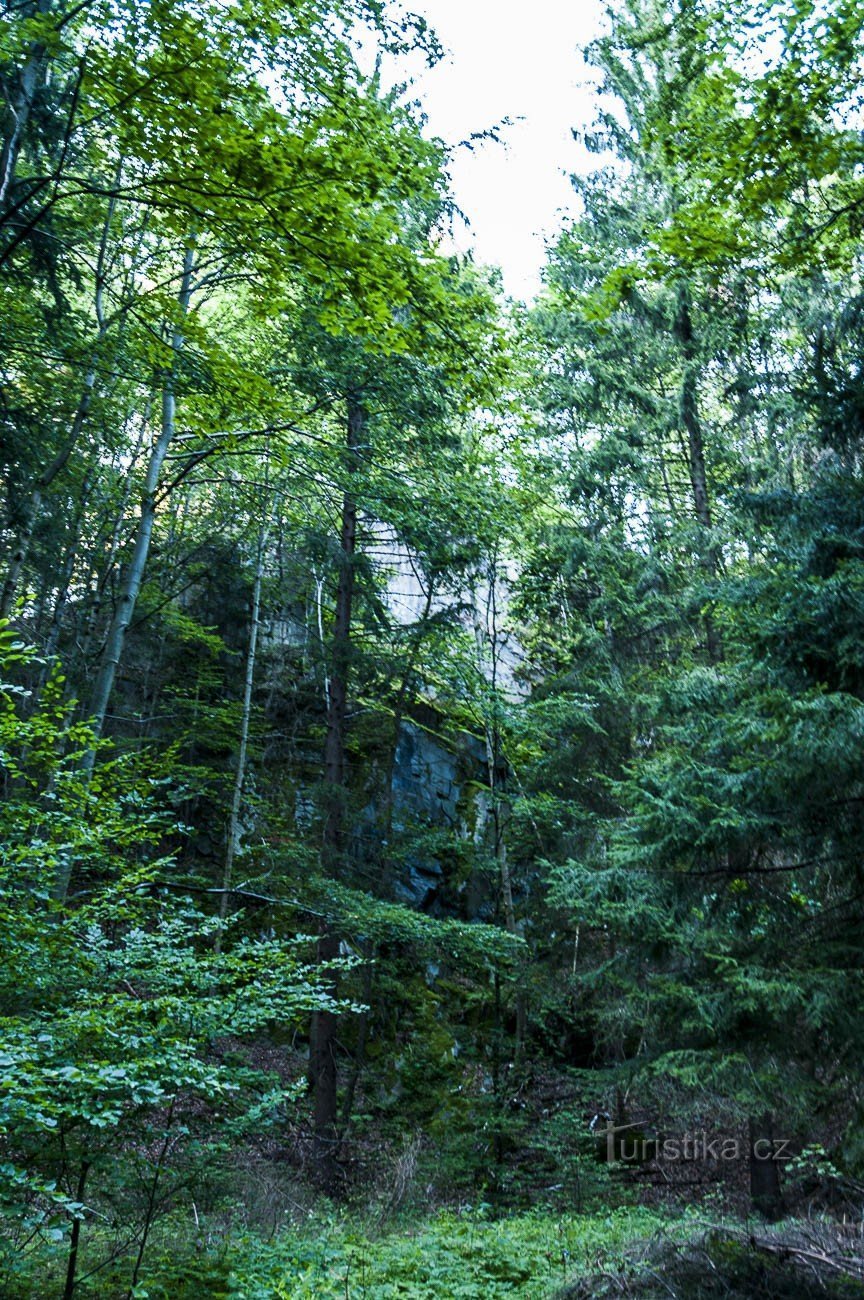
(75, 1236)
(133, 577)
(151, 1199)
(492, 737)
(385, 820)
(99, 571)
(764, 1169)
(689, 409)
(362, 1039)
(323, 1073)
(20, 106)
(233, 837)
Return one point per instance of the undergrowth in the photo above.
(465, 1255)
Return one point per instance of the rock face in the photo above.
(438, 804)
(481, 603)
(440, 788)
(419, 882)
(427, 780)
(442, 785)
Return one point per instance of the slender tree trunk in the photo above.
(764, 1170)
(75, 1236)
(386, 818)
(483, 631)
(362, 1040)
(689, 407)
(62, 599)
(20, 106)
(322, 1056)
(134, 574)
(233, 838)
(150, 1213)
(99, 571)
(491, 735)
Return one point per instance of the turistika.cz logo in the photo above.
(628, 1142)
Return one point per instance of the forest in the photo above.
(431, 723)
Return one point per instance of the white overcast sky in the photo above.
(517, 61)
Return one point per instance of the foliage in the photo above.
(113, 1005)
(466, 1254)
(515, 651)
(691, 611)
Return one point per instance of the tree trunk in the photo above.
(385, 820)
(233, 838)
(362, 1038)
(764, 1169)
(99, 571)
(75, 1236)
(20, 106)
(134, 574)
(689, 408)
(492, 737)
(322, 1055)
(150, 1211)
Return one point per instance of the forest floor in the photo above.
(471, 1255)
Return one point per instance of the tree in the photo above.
(669, 833)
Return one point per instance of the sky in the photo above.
(522, 62)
